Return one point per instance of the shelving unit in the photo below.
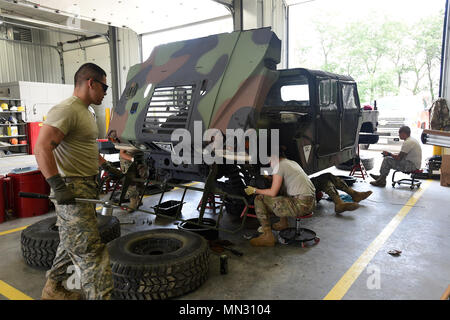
(11, 150)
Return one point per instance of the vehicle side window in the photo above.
(297, 92)
(348, 96)
(327, 94)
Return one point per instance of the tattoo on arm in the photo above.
(54, 144)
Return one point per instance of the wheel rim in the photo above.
(155, 246)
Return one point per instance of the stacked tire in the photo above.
(40, 241)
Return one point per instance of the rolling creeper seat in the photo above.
(413, 182)
(298, 234)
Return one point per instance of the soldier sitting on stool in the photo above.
(408, 160)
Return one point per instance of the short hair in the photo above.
(405, 129)
(88, 71)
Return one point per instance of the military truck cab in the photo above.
(317, 114)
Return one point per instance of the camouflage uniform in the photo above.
(439, 115)
(329, 184)
(134, 190)
(390, 163)
(282, 206)
(80, 242)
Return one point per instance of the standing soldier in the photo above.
(68, 156)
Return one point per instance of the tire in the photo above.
(347, 166)
(40, 240)
(158, 264)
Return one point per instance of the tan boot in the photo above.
(54, 290)
(359, 196)
(281, 225)
(341, 206)
(133, 204)
(265, 240)
(381, 182)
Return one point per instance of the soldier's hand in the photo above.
(250, 190)
(111, 170)
(63, 195)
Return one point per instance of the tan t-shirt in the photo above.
(413, 151)
(77, 154)
(295, 180)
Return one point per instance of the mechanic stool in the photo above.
(298, 234)
(413, 182)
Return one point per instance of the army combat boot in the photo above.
(54, 290)
(281, 225)
(341, 206)
(133, 204)
(359, 196)
(265, 240)
(380, 182)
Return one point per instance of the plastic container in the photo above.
(169, 208)
(29, 181)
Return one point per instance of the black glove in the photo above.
(113, 172)
(62, 194)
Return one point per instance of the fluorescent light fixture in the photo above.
(436, 138)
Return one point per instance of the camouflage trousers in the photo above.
(282, 207)
(134, 190)
(80, 244)
(330, 184)
(390, 163)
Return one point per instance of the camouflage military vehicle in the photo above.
(230, 81)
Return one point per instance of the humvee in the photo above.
(230, 81)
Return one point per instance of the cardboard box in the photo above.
(445, 171)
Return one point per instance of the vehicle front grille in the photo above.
(168, 109)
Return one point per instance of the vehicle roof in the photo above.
(315, 74)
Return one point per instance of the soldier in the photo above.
(134, 191)
(329, 184)
(409, 158)
(300, 200)
(68, 156)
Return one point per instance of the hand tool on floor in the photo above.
(107, 206)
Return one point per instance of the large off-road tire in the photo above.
(158, 264)
(40, 240)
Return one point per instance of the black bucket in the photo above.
(204, 231)
(349, 180)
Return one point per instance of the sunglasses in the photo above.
(104, 86)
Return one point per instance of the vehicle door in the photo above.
(350, 113)
(329, 121)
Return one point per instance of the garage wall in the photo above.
(128, 50)
(30, 61)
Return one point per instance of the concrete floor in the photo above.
(289, 272)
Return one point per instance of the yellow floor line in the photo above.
(12, 230)
(12, 293)
(347, 280)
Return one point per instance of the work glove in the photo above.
(113, 172)
(250, 190)
(63, 195)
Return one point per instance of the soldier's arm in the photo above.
(277, 180)
(399, 156)
(49, 138)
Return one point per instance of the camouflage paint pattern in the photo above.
(80, 243)
(231, 69)
(282, 207)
